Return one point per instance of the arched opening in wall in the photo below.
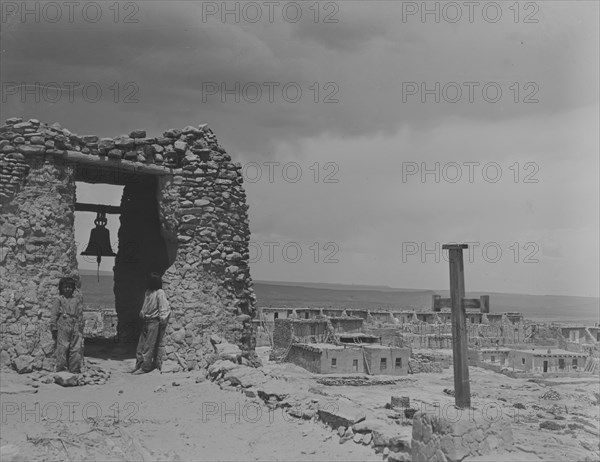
(142, 246)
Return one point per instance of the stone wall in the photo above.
(463, 433)
(38, 248)
(193, 226)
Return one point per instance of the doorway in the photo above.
(545, 366)
(142, 247)
(100, 316)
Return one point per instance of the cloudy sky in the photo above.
(370, 132)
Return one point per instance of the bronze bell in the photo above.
(99, 244)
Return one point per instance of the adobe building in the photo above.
(288, 331)
(546, 360)
(431, 329)
(336, 346)
(579, 338)
(498, 356)
(183, 214)
(321, 330)
(327, 358)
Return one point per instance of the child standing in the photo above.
(155, 313)
(66, 325)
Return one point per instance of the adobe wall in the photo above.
(194, 229)
(309, 359)
(344, 361)
(309, 330)
(346, 325)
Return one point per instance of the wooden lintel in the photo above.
(114, 209)
(108, 163)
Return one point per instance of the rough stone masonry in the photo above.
(183, 213)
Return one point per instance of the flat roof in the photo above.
(383, 347)
(553, 352)
(319, 346)
(331, 346)
(355, 334)
(579, 327)
(303, 321)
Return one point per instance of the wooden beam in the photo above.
(114, 209)
(120, 166)
(462, 388)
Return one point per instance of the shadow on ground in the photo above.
(109, 348)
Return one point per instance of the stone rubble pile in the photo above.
(91, 375)
(94, 376)
(338, 413)
(551, 394)
(435, 438)
(421, 363)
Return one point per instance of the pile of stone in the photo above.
(94, 376)
(91, 376)
(420, 363)
(551, 394)
(339, 414)
(392, 441)
(438, 438)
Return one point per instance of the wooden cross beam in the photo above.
(462, 389)
(114, 209)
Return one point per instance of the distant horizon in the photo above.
(88, 272)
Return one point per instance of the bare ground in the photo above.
(172, 417)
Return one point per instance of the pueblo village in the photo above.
(299, 231)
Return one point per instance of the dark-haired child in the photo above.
(66, 325)
(155, 313)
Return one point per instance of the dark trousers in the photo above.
(151, 346)
(69, 345)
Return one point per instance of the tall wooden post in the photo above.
(462, 389)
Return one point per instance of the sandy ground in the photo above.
(172, 417)
(158, 417)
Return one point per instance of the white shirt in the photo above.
(155, 305)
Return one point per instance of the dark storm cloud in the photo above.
(346, 27)
(174, 56)
(360, 61)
